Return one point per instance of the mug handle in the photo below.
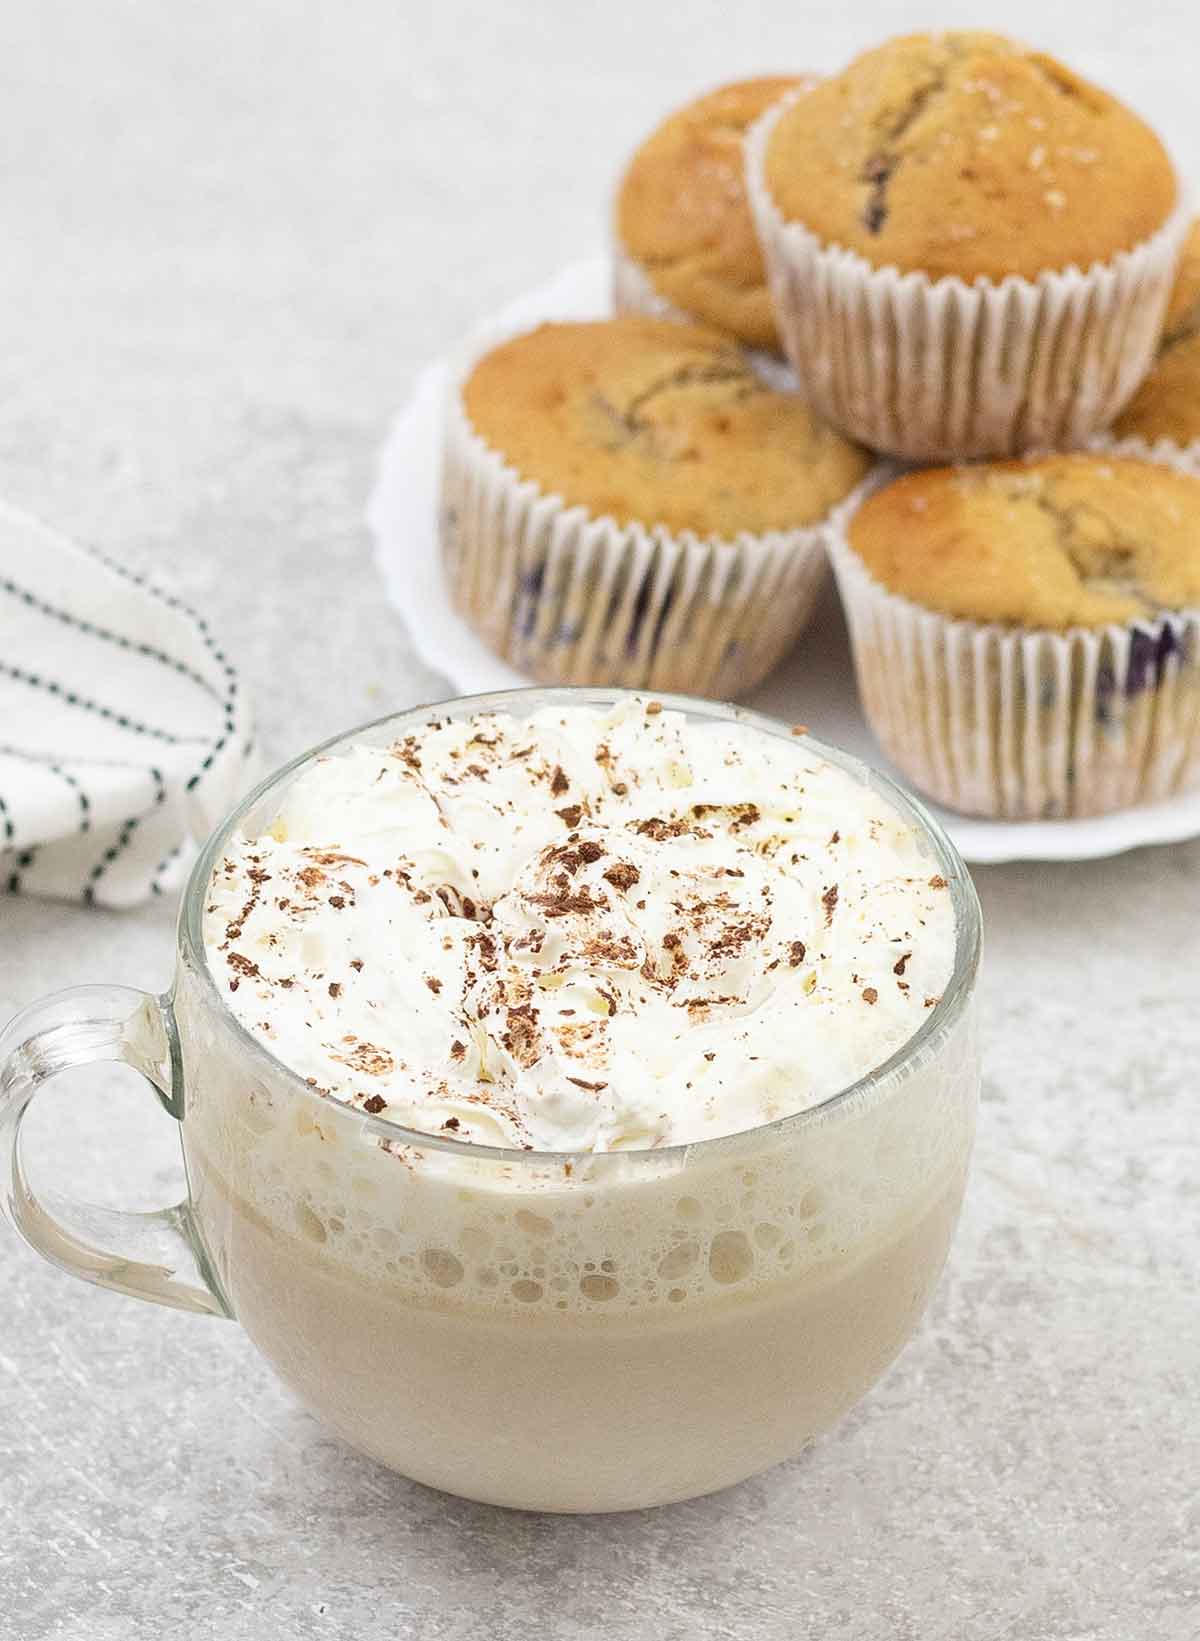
(84, 1026)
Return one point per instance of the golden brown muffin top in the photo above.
(661, 423)
(1167, 404)
(964, 153)
(1064, 541)
(683, 215)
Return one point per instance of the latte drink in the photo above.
(604, 1101)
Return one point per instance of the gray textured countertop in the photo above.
(231, 235)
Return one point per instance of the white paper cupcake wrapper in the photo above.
(571, 599)
(633, 292)
(1022, 725)
(939, 369)
(1184, 458)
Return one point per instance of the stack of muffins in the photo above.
(955, 251)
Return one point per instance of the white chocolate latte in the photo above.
(559, 951)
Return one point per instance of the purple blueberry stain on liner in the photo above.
(1149, 653)
(529, 591)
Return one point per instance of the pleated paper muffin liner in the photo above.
(1022, 724)
(634, 292)
(569, 598)
(1184, 458)
(942, 369)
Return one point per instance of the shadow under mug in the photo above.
(540, 1330)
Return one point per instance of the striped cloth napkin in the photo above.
(123, 734)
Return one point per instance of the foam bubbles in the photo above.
(441, 1267)
(599, 1288)
(683, 1257)
(730, 1257)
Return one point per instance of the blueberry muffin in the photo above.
(625, 502)
(1025, 633)
(685, 239)
(970, 248)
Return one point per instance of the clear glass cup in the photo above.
(545, 1331)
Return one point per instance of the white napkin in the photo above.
(123, 733)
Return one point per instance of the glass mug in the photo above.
(545, 1331)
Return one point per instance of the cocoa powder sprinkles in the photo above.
(586, 929)
(623, 876)
(368, 1058)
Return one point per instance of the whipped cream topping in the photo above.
(581, 930)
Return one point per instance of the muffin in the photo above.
(970, 249)
(625, 502)
(1164, 413)
(686, 245)
(1025, 632)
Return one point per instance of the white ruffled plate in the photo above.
(815, 686)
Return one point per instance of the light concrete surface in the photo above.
(230, 236)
